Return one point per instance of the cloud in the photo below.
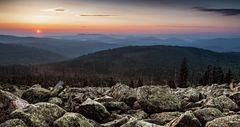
(54, 10)
(184, 26)
(59, 9)
(225, 12)
(97, 15)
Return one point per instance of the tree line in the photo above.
(212, 75)
(185, 77)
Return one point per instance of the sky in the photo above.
(66, 17)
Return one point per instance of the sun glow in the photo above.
(38, 31)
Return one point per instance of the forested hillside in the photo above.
(17, 54)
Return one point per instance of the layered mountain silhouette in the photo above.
(18, 54)
(69, 48)
(148, 60)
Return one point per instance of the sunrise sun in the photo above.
(38, 31)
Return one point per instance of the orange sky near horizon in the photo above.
(83, 16)
(165, 29)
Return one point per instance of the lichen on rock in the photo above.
(93, 110)
(39, 115)
(13, 123)
(222, 102)
(155, 99)
(227, 121)
(36, 94)
(9, 103)
(72, 120)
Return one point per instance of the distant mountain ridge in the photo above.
(148, 61)
(17, 54)
(214, 44)
(69, 48)
(83, 44)
(219, 44)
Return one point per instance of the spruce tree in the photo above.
(171, 84)
(139, 83)
(183, 74)
(229, 77)
(111, 82)
(208, 76)
(220, 75)
(132, 84)
(214, 75)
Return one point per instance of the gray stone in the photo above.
(138, 114)
(235, 97)
(111, 106)
(222, 102)
(131, 123)
(143, 123)
(13, 123)
(57, 89)
(72, 120)
(9, 103)
(155, 99)
(227, 121)
(207, 114)
(116, 123)
(124, 93)
(165, 117)
(105, 98)
(36, 94)
(194, 95)
(39, 115)
(55, 100)
(185, 120)
(93, 110)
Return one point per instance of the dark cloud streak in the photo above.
(173, 3)
(225, 12)
(59, 10)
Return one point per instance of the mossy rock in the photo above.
(207, 114)
(227, 121)
(72, 120)
(39, 115)
(36, 94)
(55, 100)
(13, 123)
(165, 117)
(116, 123)
(66, 96)
(105, 98)
(194, 95)
(93, 110)
(8, 103)
(111, 106)
(65, 93)
(142, 123)
(131, 122)
(187, 119)
(57, 89)
(235, 97)
(155, 99)
(222, 102)
(122, 92)
(138, 114)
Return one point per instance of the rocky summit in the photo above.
(120, 106)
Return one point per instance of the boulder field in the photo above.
(120, 106)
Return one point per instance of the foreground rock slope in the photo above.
(120, 106)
